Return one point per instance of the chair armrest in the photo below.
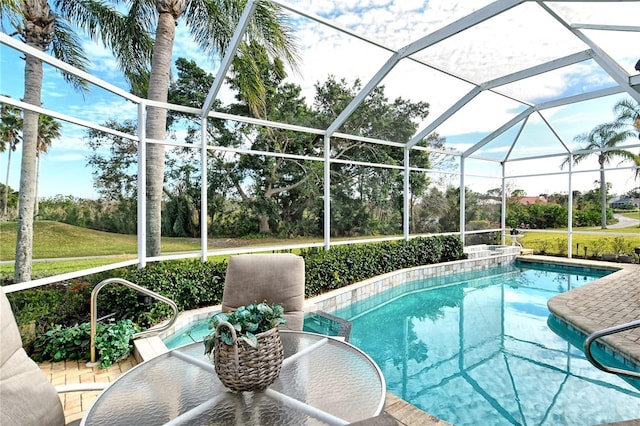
(82, 387)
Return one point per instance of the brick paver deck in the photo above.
(609, 301)
(74, 372)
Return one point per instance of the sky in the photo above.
(516, 40)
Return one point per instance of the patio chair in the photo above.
(26, 396)
(276, 278)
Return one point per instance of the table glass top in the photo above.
(322, 381)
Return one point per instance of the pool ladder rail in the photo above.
(606, 332)
(139, 289)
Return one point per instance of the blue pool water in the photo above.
(476, 349)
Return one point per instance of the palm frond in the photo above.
(9, 13)
(66, 46)
(129, 36)
(626, 111)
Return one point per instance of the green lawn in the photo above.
(56, 240)
(605, 242)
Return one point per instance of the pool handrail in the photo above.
(152, 330)
(606, 332)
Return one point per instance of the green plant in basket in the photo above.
(248, 321)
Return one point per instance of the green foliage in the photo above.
(193, 284)
(599, 246)
(61, 343)
(542, 246)
(247, 321)
(561, 246)
(620, 245)
(484, 238)
(58, 304)
(108, 216)
(189, 283)
(537, 216)
(112, 342)
(344, 265)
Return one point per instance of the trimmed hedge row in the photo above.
(193, 284)
(345, 265)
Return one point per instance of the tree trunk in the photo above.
(6, 186)
(36, 206)
(263, 220)
(24, 243)
(603, 197)
(156, 128)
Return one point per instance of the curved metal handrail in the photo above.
(152, 330)
(605, 332)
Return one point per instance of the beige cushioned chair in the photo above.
(275, 278)
(26, 396)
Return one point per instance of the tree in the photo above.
(211, 24)
(603, 141)
(48, 130)
(10, 137)
(369, 199)
(628, 116)
(48, 30)
(114, 174)
(281, 188)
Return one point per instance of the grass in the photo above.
(87, 248)
(59, 240)
(632, 215)
(606, 242)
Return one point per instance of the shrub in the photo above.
(561, 246)
(599, 246)
(112, 342)
(344, 265)
(619, 245)
(541, 246)
(37, 310)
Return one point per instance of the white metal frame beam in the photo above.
(491, 84)
(229, 55)
(444, 33)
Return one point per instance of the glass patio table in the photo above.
(323, 381)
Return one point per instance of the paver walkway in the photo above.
(609, 301)
(74, 372)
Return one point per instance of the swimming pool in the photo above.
(475, 348)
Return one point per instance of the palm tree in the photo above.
(10, 137)
(603, 141)
(211, 23)
(628, 116)
(48, 130)
(46, 30)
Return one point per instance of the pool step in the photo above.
(147, 348)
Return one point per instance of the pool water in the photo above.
(476, 348)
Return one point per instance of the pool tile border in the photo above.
(344, 297)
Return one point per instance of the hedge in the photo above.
(193, 284)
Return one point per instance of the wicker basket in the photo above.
(241, 367)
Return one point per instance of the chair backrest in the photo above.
(26, 396)
(274, 278)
